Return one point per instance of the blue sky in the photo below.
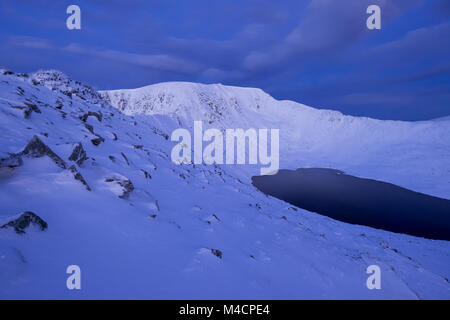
(318, 52)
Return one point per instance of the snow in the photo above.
(414, 155)
(158, 243)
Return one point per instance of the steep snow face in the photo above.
(414, 155)
(139, 226)
(190, 101)
(57, 81)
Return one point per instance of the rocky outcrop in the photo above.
(28, 109)
(10, 160)
(58, 81)
(31, 108)
(217, 253)
(96, 142)
(78, 154)
(125, 158)
(97, 115)
(37, 149)
(146, 174)
(90, 128)
(24, 221)
(126, 185)
(77, 175)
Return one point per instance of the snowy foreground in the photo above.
(95, 170)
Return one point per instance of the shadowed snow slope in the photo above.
(141, 227)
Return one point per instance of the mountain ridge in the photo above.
(309, 137)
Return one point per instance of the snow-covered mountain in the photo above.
(414, 155)
(86, 179)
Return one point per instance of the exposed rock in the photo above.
(124, 183)
(59, 104)
(146, 174)
(11, 161)
(33, 107)
(97, 115)
(156, 205)
(89, 127)
(212, 218)
(58, 81)
(215, 217)
(27, 109)
(78, 154)
(37, 149)
(96, 142)
(77, 175)
(24, 221)
(217, 253)
(125, 158)
(20, 91)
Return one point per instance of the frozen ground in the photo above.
(150, 229)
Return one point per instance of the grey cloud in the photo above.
(156, 61)
(326, 25)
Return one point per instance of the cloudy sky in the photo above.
(318, 52)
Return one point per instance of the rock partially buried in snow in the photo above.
(28, 109)
(77, 175)
(97, 115)
(31, 108)
(78, 154)
(96, 142)
(24, 221)
(217, 253)
(11, 160)
(121, 186)
(37, 149)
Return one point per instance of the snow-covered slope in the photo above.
(141, 227)
(414, 155)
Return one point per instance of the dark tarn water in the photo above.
(355, 200)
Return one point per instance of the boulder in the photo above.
(37, 149)
(97, 115)
(78, 154)
(24, 221)
(11, 160)
(125, 184)
(96, 142)
(217, 253)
